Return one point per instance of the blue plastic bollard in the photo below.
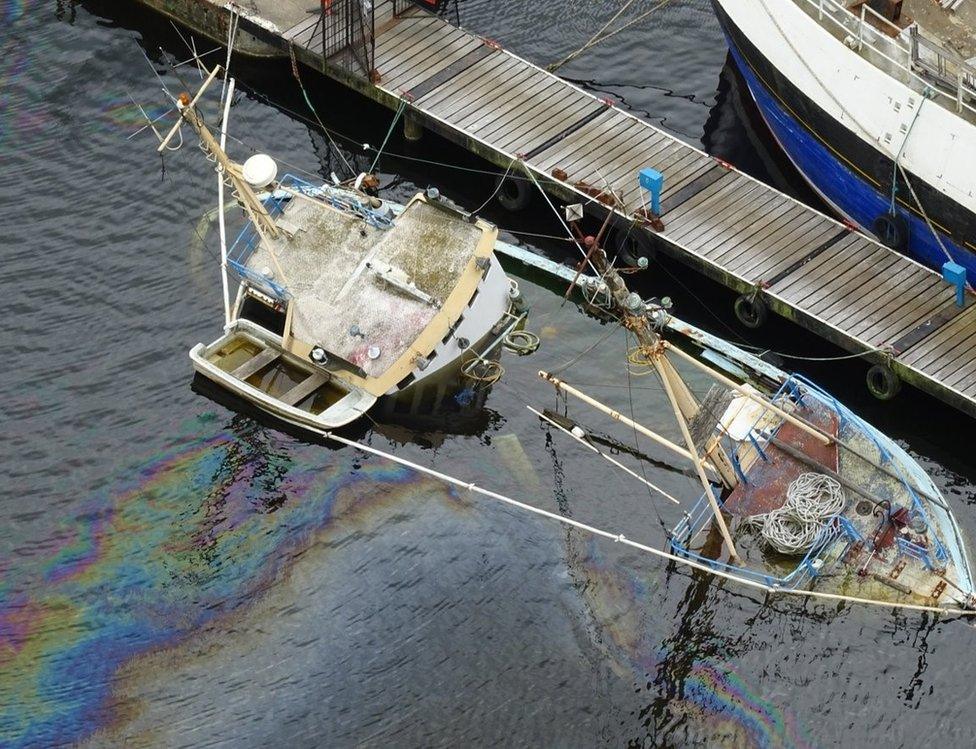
(956, 275)
(652, 181)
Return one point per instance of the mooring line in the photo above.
(472, 487)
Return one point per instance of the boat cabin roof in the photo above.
(378, 296)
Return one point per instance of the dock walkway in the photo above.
(804, 265)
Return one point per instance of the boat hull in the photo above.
(848, 172)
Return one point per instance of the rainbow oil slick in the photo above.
(183, 539)
(690, 691)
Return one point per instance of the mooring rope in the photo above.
(600, 36)
(389, 132)
(308, 102)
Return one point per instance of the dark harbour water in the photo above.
(175, 573)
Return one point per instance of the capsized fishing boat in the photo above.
(344, 298)
(799, 494)
(875, 104)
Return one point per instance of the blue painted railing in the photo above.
(915, 551)
(838, 527)
(248, 239)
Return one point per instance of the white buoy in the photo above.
(260, 171)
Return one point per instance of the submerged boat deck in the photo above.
(369, 292)
(806, 266)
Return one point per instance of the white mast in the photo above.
(228, 97)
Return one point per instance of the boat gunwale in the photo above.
(248, 330)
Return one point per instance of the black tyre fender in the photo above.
(882, 383)
(634, 242)
(513, 193)
(892, 230)
(750, 310)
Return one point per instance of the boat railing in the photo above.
(249, 238)
(944, 66)
(343, 200)
(836, 528)
(922, 60)
(247, 242)
(915, 551)
(888, 451)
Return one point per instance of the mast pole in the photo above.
(229, 95)
(690, 442)
(683, 403)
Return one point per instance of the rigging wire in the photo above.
(308, 102)
(563, 367)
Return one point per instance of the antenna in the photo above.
(150, 123)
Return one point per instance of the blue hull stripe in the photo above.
(854, 197)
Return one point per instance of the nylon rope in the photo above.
(308, 102)
(389, 132)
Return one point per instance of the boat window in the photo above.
(450, 331)
(261, 314)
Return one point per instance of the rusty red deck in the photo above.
(769, 479)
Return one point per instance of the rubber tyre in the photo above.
(882, 383)
(633, 244)
(514, 194)
(750, 311)
(892, 231)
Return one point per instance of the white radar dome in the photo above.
(260, 170)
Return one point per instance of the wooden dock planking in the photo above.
(604, 134)
(527, 112)
(934, 349)
(890, 296)
(733, 195)
(841, 284)
(761, 219)
(789, 243)
(713, 229)
(407, 77)
(581, 142)
(836, 290)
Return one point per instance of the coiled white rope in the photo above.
(521, 342)
(811, 501)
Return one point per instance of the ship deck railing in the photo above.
(247, 242)
(836, 529)
(249, 238)
(926, 63)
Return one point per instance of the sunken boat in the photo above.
(344, 298)
(799, 494)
